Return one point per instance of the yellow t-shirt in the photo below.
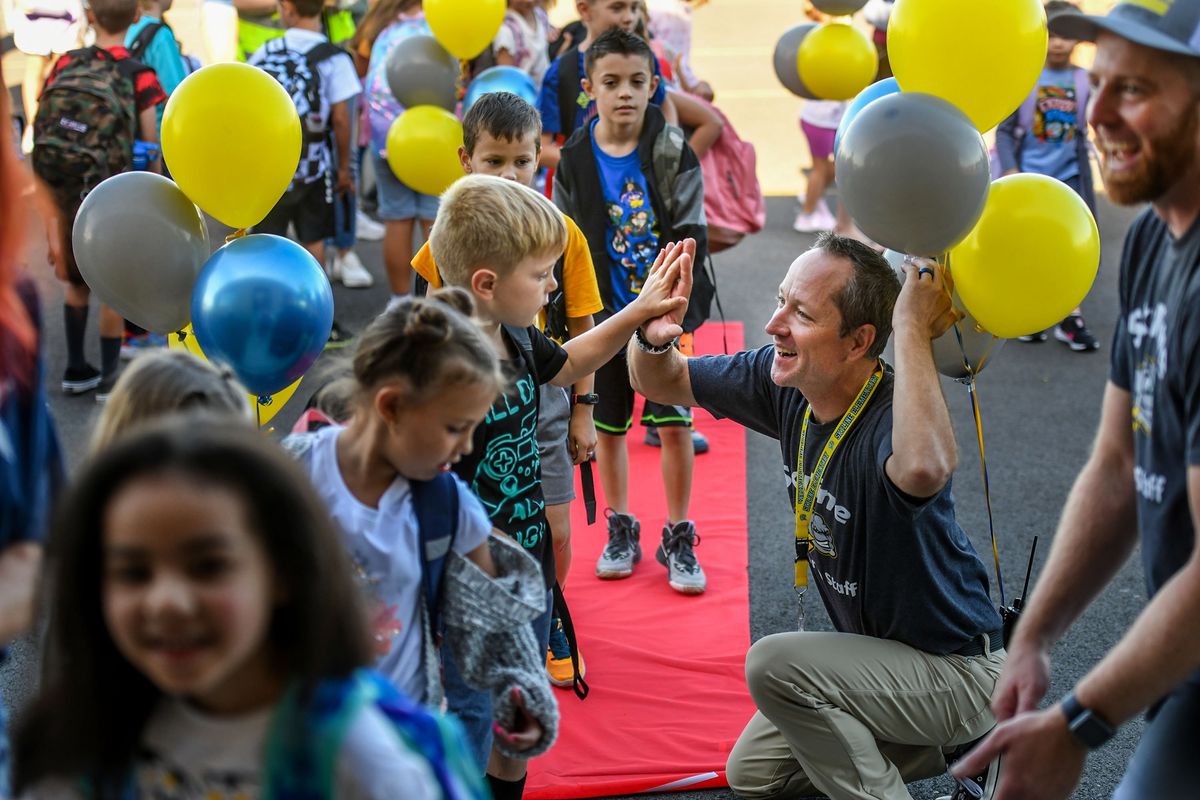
(580, 291)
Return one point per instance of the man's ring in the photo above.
(924, 271)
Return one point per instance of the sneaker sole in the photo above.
(80, 387)
(612, 575)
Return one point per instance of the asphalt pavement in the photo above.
(1040, 404)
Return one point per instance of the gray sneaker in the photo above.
(677, 554)
(623, 549)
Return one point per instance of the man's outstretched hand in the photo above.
(663, 329)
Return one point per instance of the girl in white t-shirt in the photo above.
(424, 376)
(523, 40)
(205, 638)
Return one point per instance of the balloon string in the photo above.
(987, 491)
(238, 234)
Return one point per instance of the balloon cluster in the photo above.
(914, 172)
(232, 140)
(831, 61)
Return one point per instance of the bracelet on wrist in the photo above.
(646, 347)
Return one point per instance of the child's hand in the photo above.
(345, 183)
(670, 285)
(581, 436)
(526, 732)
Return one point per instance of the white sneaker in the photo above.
(368, 229)
(819, 220)
(350, 269)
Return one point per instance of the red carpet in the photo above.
(668, 692)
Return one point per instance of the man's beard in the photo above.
(1163, 161)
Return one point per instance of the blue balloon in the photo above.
(501, 79)
(867, 96)
(263, 305)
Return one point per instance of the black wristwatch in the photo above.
(590, 399)
(1086, 725)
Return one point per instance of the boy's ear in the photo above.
(464, 158)
(483, 283)
(586, 85)
(654, 81)
(584, 8)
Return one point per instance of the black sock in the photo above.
(75, 321)
(110, 355)
(506, 790)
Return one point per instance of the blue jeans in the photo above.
(473, 707)
(1164, 763)
(345, 206)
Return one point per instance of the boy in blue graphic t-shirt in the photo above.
(1047, 135)
(653, 193)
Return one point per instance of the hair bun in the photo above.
(457, 298)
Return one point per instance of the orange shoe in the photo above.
(558, 658)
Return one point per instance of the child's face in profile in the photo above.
(622, 87)
(601, 15)
(427, 438)
(523, 292)
(188, 592)
(514, 160)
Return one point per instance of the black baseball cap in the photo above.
(1169, 25)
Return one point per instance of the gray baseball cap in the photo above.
(1170, 25)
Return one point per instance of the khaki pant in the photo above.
(852, 716)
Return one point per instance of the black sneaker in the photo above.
(677, 553)
(105, 387)
(1040, 336)
(623, 549)
(339, 337)
(80, 380)
(1075, 335)
(977, 787)
(699, 440)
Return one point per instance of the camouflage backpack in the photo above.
(86, 122)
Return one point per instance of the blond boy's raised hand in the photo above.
(672, 269)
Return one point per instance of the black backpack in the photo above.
(299, 75)
(571, 96)
(86, 122)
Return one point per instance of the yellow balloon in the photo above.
(837, 61)
(422, 148)
(1030, 260)
(231, 139)
(984, 56)
(264, 412)
(465, 27)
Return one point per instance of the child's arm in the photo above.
(482, 556)
(1006, 144)
(581, 435)
(339, 115)
(551, 151)
(148, 132)
(658, 298)
(706, 125)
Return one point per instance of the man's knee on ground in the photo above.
(743, 780)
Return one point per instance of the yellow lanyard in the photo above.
(806, 491)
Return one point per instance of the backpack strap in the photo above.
(520, 337)
(435, 503)
(556, 309)
(144, 37)
(666, 157)
(322, 52)
(568, 91)
(1083, 90)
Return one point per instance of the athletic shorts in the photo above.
(614, 414)
(308, 207)
(554, 421)
(820, 140)
(398, 200)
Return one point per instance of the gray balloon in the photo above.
(140, 243)
(971, 341)
(838, 8)
(421, 73)
(786, 68)
(914, 173)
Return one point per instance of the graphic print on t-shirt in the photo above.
(632, 239)
(507, 477)
(1145, 323)
(1054, 114)
(383, 617)
(158, 779)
